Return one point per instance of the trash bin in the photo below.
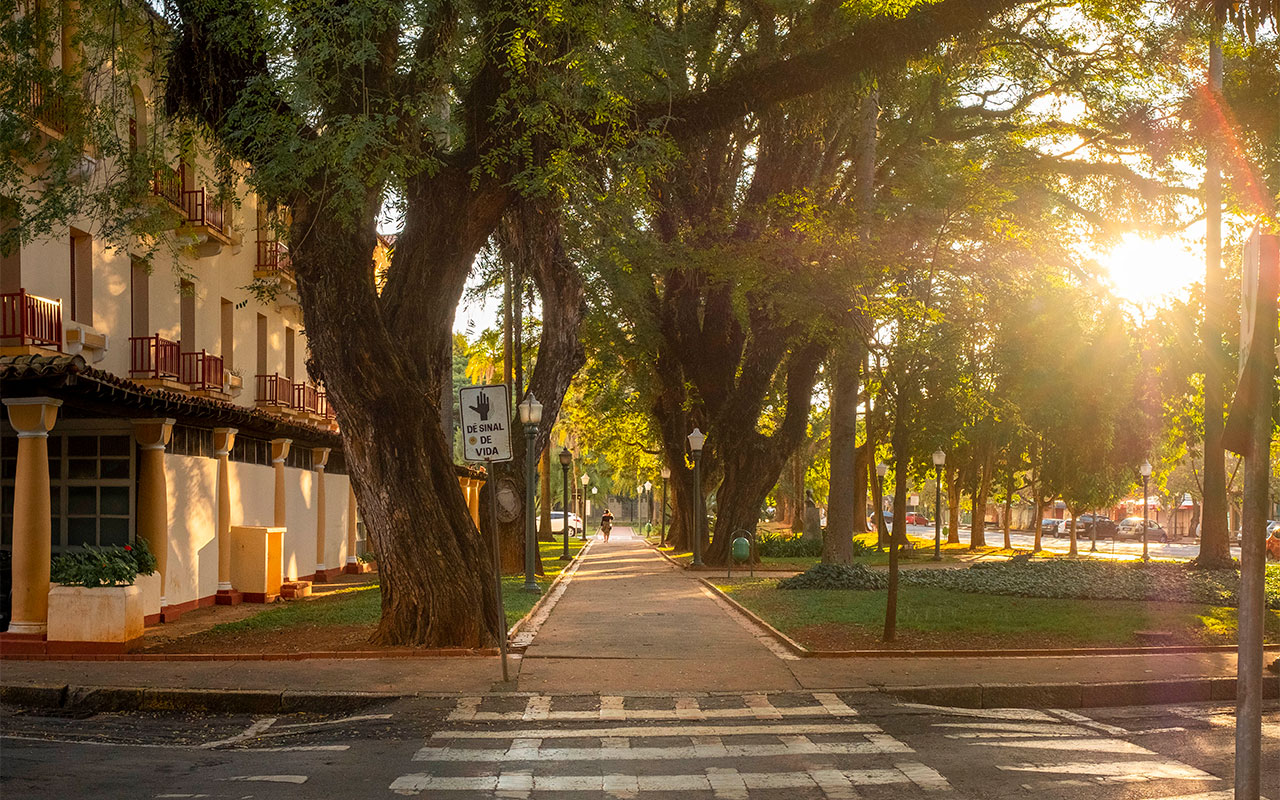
(741, 549)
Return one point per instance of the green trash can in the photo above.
(741, 549)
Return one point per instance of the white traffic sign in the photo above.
(486, 423)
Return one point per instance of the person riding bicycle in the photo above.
(606, 523)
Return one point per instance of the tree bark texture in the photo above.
(955, 492)
(842, 508)
(978, 529)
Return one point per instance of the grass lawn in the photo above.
(923, 553)
(342, 619)
(930, 618)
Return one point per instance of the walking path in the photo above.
(631, 623)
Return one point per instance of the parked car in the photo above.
(557, 522)
(888, 520)
(1131, 528)
(915, 518)
(1085, 524)
(1053, 527)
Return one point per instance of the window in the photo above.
(188, 441)
(139, 298)
(187, 317)
(227, 343)
(91, 488)
(262, 345)
(288, 353)
(81, 277)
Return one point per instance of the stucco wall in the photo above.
(192, 485)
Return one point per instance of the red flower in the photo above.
(127, 547)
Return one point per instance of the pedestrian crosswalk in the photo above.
(806, 745)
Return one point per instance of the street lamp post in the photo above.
(585, 480)
(882, 469)
(566, 459)
(1146, 474)
(939, 458)
(696, 440)
(530, 416)
(666, 475)
(648, 502)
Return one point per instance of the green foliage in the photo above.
(103, 566)
(836, 576)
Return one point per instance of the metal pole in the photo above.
(565, 555)
(497, 568)
(700, 517)
(1145, 557)
(530, 487)
(937, 514)
(663, 537)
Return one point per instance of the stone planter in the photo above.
(105, 619)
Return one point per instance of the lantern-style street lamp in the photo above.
(566, 460)
(939, 458)
(696, 440)
(530, 417)
(666, 476)
(586, 479)
(1146, 475)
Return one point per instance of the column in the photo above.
(353, 563)
(153, 493)
(319, 457)
(279, 451)
(32, 418)
(223, 440)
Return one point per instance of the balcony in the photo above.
(273, 262)
(203, 372)
(273, 392)
(156, 359)
(167, 185)
(206, 214)
(44, 106)
(306, 399)
(29, 323)
(324, 408)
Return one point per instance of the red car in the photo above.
(917, 519)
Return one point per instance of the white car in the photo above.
(557, 522)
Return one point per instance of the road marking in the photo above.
(662, 730)
(703, 747)
(1083, 745)
(302, 748)
(994, 729)
(1089, 723)
(343, 721)
(1135, 771)
(834, 705)
(248, 733)
(835, 785)
(538, 707)
(517, 783)
(763, 708)
(611, 708)
(465, 709)
(299, 779)
(420, 782)
(687, 708)
(622, 786)
(983, 713)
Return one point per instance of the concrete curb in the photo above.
(1079, 695)
(440, 652)
(549, 599)
(1080, 652)
(214, 701)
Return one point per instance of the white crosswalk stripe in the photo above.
(724, 746)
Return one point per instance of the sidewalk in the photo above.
(630, 623)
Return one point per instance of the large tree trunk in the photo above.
(978, 530)
(1215, 547)
(955, 490)
(842, 509)
(1008, 507)
(1075, 517)
(901, 468)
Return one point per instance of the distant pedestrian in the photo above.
(606, 523)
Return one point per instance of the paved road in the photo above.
(1124, 549)
(748, 746)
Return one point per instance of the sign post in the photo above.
(486, 436)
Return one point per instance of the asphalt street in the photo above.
(750, 746)
(1112, 548)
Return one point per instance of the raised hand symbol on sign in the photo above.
(482, 406)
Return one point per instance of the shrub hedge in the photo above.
(777, 545)
(1057, 578)
(103, 566)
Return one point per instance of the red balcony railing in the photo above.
(273, 390)
(203, 371)
(306, 398)
(167, 183)
(272, 255)
(26, 319)
(201, 209)
(154, 357)
(44, 106)
(323, 407)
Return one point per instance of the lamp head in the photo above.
(594, 489)
(696, 440)
(530, 410)
(939, 457)
(648, 485)
(566, 458)
(1145, 469)
(882, 469)
(666, 473)
(585, 479)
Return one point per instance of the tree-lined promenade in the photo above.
(828, 237)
